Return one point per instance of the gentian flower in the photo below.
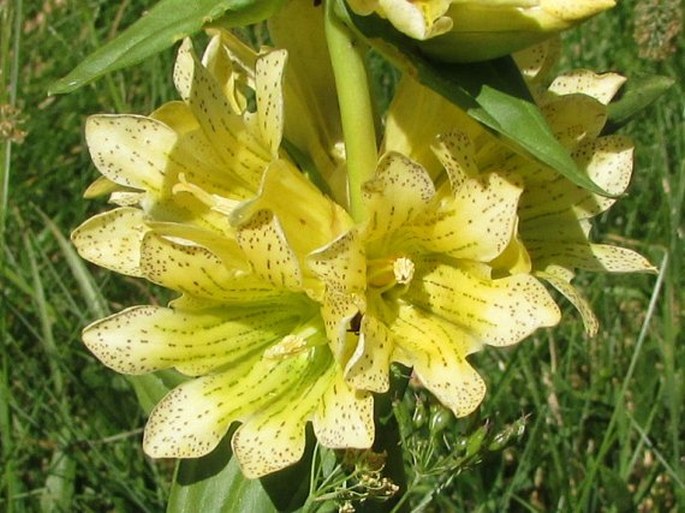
(249, 326)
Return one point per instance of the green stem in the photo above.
(356, 108)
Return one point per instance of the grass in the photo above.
(603, 416)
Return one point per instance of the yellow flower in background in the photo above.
(476, 30)
(247, 330)
(552, 237)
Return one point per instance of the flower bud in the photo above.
(477, 30)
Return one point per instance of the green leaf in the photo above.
(166, 23)
(215, 484)
(492, 92)
(640, 93)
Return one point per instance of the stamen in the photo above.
(403, 268)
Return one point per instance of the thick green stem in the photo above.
(356, 109)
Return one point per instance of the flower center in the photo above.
(386, 273)
(301, 339)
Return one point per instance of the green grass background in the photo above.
(604, 417)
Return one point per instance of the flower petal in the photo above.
(113, 240)
(309, 219)
(267, 249)
(560, 278)
(477, 223)
(191, 420)
(344, 417)
(437, 352)
(144, 339)
(575, 118)
(369, 367)
(269, 93)
(602, 87)
(591, 257)
(228, 134)
(131, 150)
(196, 271)
(498, 312)
(274, 436)
(398, 193)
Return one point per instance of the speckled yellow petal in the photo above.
(274, 436)
(477, 223)
(609, 163)
(228, 133)
(437, 352)
(344, 417)
(497, 312)
(602, 87)
(535, 62)
(113, 240)
(560, 278)
(575, 118)
(591, 257)
(130, 150)
(457, 154)
(340, 265)
(144, 339)
(398, 193)
(269, 93)
(267, 249)
(196, 271)
(369, 366)
(338, 311)
(191, 420)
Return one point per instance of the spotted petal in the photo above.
(196, 271)
(113, 240)
(131, 150)
(227, 132)
(498, 312)
(191, 420)
(398, 193)
(344, 417)
(144, 339)
(602, 87)
(477, 222)
(438, 352)
(560, 278)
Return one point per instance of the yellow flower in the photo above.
(475, 30)
(247, 329)
(250, 326)
(554, 214)
(432, 298)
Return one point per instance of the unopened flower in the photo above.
(476, 30)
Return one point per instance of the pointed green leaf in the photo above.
(640, 93)
(167, 22)
(492, 92)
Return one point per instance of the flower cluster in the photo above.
(289, 310)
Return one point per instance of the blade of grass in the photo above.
(590, 480)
